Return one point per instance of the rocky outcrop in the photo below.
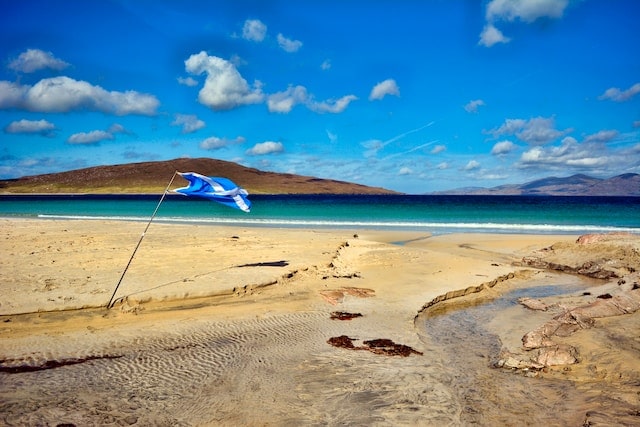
(613, 256)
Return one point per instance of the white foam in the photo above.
(443, 227)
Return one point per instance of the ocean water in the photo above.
(431, 213)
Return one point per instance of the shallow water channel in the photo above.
(470, 333)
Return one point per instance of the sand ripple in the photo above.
(275, 370)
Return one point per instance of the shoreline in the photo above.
(193, 291)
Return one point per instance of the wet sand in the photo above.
(231, 326)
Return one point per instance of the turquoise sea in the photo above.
(431, 213)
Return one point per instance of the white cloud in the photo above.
(42, 127)
(12, 94)
(472, 106)
(535, 131)
(330, 105)
(63, 94)
(267, 147)
(601, 136)
(405, 171)
(35, 59)
(92, 137)
(387, 87)
(490, 35)
(443, 166)
(326, 64)
(118, 128)
(438, 149)
(472, 165)
(511, 10)
(189, 122)
(288, 45)
(525, 10)
(254, 30)
(187, 81)
(215, 143)
(503, 147)
(224, 87)
(571, 155)
(283, 102)
(617, 95)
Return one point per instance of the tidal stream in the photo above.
(470, 333)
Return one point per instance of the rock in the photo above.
(561, 354)
(533, 304)
(343, 315)
(594, 269)
(594, 238)
(599, 308)
(539, 337)
(574, 318)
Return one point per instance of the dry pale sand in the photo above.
(230, 326)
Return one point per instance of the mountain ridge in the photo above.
(627, 184)
(153, 177)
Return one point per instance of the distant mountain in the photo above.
(153, 177)
(576, 185)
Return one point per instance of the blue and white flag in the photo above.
(221, 190)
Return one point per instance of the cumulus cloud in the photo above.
(288, 45)
(535, 131)
(472, 106)
(387, 87)
(93, 137)
(326, 64)
(405, 171)
(216, 143)
(33, 60)
(267, 147)
(283, 102)
(187, 81)
(41, 127)
(490, 35)
(511, 10)
(617, 95)
(571, 155)
(442, 166)
(525, 10)
(472, 165)
(254, 30)
(63, 94)
(224, 87)
(189, 122)
(503, 147)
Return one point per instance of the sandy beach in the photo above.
(260, 326)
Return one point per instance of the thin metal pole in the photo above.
(111, 301)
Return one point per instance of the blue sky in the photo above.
(414, 96)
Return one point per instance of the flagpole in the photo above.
(140, 241)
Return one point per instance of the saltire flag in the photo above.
(221, 190)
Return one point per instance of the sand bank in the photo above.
(230, 325)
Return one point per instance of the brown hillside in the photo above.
(153, 177)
